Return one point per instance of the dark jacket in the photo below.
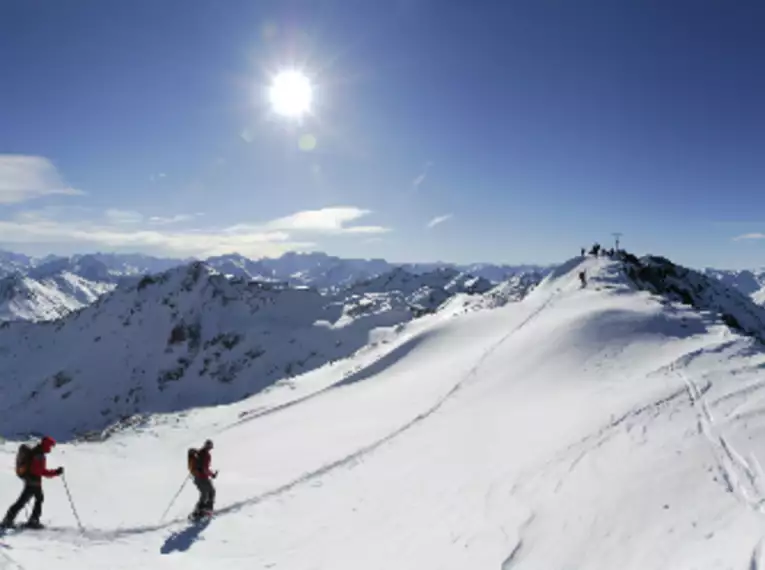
(202, 467)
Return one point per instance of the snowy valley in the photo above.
(425, 421)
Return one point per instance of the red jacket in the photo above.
(203, 465)
(38, 468)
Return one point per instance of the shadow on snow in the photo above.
(182, 540)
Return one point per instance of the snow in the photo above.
(591, 428)
(49, 297)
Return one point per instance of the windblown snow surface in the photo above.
(596, 428)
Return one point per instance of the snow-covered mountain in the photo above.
(314, 269)
(333, 273)
(746, 281)
(115, 263)
(514, 289)
(54, 286)
(11, 263)
(616, 425)
(192, 337)
(49, 296)
(699, 290)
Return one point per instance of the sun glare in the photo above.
(290, 94)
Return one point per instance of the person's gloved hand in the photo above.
(60, 471)
(215, 475)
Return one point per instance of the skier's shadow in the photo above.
(181, 541)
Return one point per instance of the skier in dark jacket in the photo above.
(33, 473)
(202, 479)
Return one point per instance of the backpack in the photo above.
(23, 460)
(192, 459)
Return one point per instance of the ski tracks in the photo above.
(756, 562)
(742, 476)
(7, 562)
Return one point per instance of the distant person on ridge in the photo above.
(583, 278)
(199, 467)
(31, 467)
(584, 250)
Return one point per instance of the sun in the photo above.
(290, 94)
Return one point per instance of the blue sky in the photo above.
(444, 130)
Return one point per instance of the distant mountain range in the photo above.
(39, 289)
(48, 288)
(313, 269)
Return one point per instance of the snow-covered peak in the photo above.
(672, 283)
(88, 267)
(399, 279)
(238, 266)
(14, 263)
(746, 281)
(49, 297)
(135, 263)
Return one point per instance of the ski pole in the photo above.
(71, 502)
(174, 498)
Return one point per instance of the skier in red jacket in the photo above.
(200, 470)
(32, 474)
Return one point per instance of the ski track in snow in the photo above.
(742, 476)
(7, 561)
(756, 562)
(739, 475)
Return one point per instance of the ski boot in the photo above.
(7, 525)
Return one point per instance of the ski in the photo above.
(206, 516)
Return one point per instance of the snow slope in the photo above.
(582, 428)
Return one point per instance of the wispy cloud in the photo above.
(123, 216)
(323, 221)
(25, 177)
(749, 236)
(177, 219)
(124, 229)
(157, 177)
(423, 175)
(202, 242)
(439, 220)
